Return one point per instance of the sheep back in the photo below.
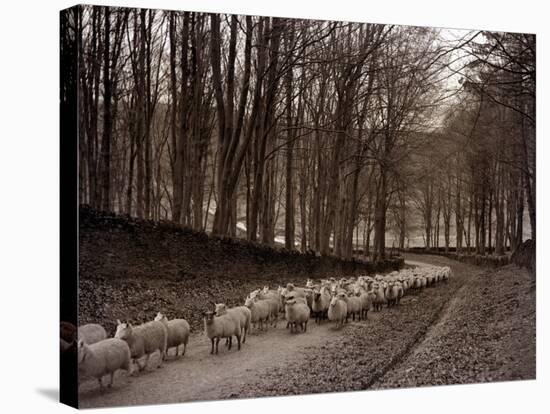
(260, 310)
(155, 336)
(297, 312)
(103, 357)
(91, 333)
(223, 326)
(178, 332)
(337, 311)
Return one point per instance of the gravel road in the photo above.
(438, 336)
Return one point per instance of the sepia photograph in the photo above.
(276, 206)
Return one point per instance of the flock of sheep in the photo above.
(335, 300)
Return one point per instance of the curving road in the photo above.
(277, 362)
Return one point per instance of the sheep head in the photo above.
(209, 316)
(123, 330)
(160, 317)
(220, 309)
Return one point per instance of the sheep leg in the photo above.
(238, 343)
(305, 326)
(100, 383)
(146, 361)
(217, 343)
(142, 367)
(161, 358)
(112, 379)
(230, 339)
(184, 349)
(212, 350)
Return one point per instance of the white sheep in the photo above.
(178, 332)
(392, 293)
(367, 299)
(241, 313)
(103, 358)
(296, 291)
(64, 345)
(320, 303)
(446, 273)
(400, 291)
(338, 310)
(144, 339)
(260, 311)
(218, 327)
(273, 297)
(296, 313)
(380, 297)
(91, 333)
(354, 307)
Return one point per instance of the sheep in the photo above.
(400, 291)
(320, 303)
(354, 307)
(103, 358)
(296, 313)
(91, 333)
(64, 345)
(241, 313)
(309, 297)
(338, 310)
(310, 284)
(366, 298)
(68, 361)
(446, 273)
(423, 281)
(67, 331)
(260, 311)
(178, 332)
(144, 339)
(391, 292)
(380, 297)
(297, 291)
(274, 300)
(224, 326)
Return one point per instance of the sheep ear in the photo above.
(118, 322)
(80, 343)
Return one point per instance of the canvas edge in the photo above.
(68, 168)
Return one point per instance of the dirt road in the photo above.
(362, 355)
